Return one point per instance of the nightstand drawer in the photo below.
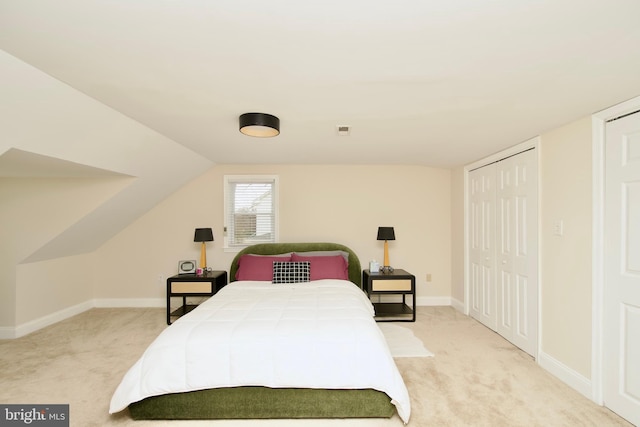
(378, 285)
(191, 287)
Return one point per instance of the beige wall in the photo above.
(457, 235)
(343, 204)
(47, 287)
(566, 195)
(34, 210)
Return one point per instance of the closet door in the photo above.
(622, 268)
(482, 201)
(503, 248)
(516, 244)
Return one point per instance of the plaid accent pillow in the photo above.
(291, 272)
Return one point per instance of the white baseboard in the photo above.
(458, 305)
(129, 302)
(7, 332)
(567, 375)
(50, 319)
(433, 301)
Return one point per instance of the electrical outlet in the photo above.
(428, 277)
(161, 280)
(558, 227)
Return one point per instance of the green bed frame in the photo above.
(264, 402)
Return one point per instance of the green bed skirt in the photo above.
(264, 402)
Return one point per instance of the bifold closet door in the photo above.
(517, 250)
(503, 248)
(482, 235)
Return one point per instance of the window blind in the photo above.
(250, 210)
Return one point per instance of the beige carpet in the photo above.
(476, 379)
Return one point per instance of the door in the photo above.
(621, 337)
(503, 248)
(482, 196)
(516, 245)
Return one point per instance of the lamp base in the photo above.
(386, 269)
(203, 256)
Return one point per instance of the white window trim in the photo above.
(276, 206)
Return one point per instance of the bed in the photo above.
(270, 345)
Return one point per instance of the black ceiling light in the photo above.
(261, 125)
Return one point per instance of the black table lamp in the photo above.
(386, 234)
(203, 235)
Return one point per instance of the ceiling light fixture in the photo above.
(261, 125)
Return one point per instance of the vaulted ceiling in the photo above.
(419, 82)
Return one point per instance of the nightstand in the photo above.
(398, 282)
(191, 285)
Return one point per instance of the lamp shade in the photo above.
(386, 233)
(203, 235)
(261, 125)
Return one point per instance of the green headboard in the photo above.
(355, 273)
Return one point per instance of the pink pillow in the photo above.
(257, 267)
(325, 267)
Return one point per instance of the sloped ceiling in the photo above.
(50, 130)
(21, 164)
(420, 82)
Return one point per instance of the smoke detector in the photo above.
(343, 130)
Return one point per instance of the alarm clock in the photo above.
(187, 267)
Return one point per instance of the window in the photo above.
(250, 215)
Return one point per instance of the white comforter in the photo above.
(319, 334)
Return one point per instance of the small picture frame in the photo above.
(187, 266)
